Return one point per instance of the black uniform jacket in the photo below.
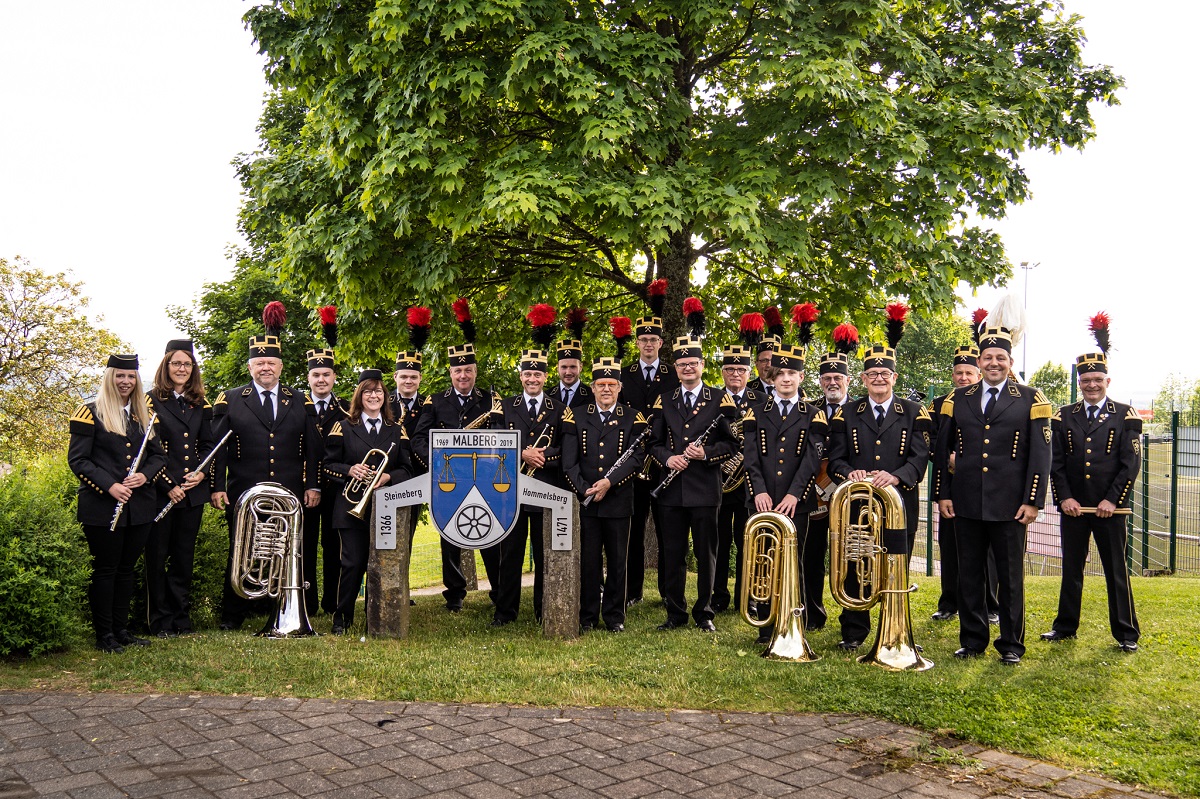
(672, 429)
(187, 438)
(286, 451)
(748, 400)
(1095, 462)
(935, 416)
(514, 415)
(582, 396)
(406, 417)
(100, 458)
(784, 456)
(590, 449)
(1002, 462)
(441, 411)
(900, 447)
(337, 410)
(346, 445)
(640, 395)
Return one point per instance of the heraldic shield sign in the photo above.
(473, 498)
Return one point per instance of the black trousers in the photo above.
(512, 566)
(948, 548)
(1112, 544)
(318, 528)
(1006, 542)
(643, 507)
(354, 549)
(814, 546)
(170, 555)
(602, 540)
(731, 526)
(856, 624)
(677, 522)
(114, 556)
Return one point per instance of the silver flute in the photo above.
(203, 465)
(137, 464)
(626, 455)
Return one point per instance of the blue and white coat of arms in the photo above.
(473, 493)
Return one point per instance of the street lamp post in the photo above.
(1027, 267)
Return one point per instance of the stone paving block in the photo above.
(273, 771)
(680, 764)
(717, 755)
(517, 737)
(252, 790)
(433, 731)
(470, 743)
(856, 788)
(1076, 787)
(40, 770)
(543, 784)
(353, 792)
(545, 765)
(447, 780)
(723, 791)
(636, 751)
(694, 717)
(1029, 779)
(215, 703)
(765, 786)
(573, 792)
(508, 754)
(158, 787)
(674, 782)
(425, 749)
(758, 749)
(497, 773)
(278, 703)
(398, 788)
(356, 776)
(487, 790)
(555, 747)
(586, 777)
(591, 758)
(214, 781)
(807, 777)
(101, 790)
(459, 760)
(716, 775)
(1048, 771)
(677, 744)
(630, 789)
(305, 783)
(801, 759)
(640, 715)
(894, 781)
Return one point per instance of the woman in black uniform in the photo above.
(106, 437)
(368, 426)
(185, 429)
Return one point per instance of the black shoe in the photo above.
(586, 628)
(764, 636)
(850, 645)
(707, 626)
(188, 631)
(412, 603)
(1009, 659)
(1055, 635)
(1127, 646)
(620, 628)
(669, 625)
(813, 628)
(107, 643)
(966, 652)
(125, 638)
(454, 608)
(231, 624)
(500, 622)
(166, 634)
(338, 630)
(944, 615)
(993, 619)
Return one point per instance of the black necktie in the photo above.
(1092, 414)
(769, 390)
(993, 392)
(183, 406)
(462, 400)
(880, 414)
(409, 404)
(566, 395)
(828, 411)
(604, 417)
(687, 401)
(533, 409)
(374, 430)
(784, 407)
(321, 408)
(649, 375)
(270, 406)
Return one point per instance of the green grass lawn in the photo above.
(1080, 703)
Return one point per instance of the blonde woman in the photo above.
(106, 435)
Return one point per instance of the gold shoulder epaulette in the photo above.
(658, 402)
(83, 414)
(567, 416)
(838, 415)
(948, 406)
(1041, 408)
(1056, 416)
(923, 415)
(819, 417)
(220, 399)
(639, 418)
(727, 401)
(749, 417)
(336, 430)
(1131, 414)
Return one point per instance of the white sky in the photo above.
(120, 120)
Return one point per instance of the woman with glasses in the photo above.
(106, 437)
(185, 425)
(368, 426)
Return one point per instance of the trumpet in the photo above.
(543, 440)
(266, 555)
(358, 492)
(771, 565)
(480, 420)
(873, 542)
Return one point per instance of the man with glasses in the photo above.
(884, 439)
(407, 405)
(690, 436)
(764, 384)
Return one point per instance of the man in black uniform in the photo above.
(1096, 459)
(407, 405)
(731, 519)
(571, 392)
(642, 382)
(884, 439)
(999, 432)
(966, 373)
(275, 439)
(318, 521)
(536, 415)
(461, 406)
(784, 438)
(691, 436)
(594, 438)
(764, 383)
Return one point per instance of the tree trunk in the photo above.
(675, 264)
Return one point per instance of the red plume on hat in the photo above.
(576, 319)
(462, 312)
(845, 339)
(977, 322)
(418, 326)
(328, 314)
(1098, 324)
(774, 322)
(274, 318)
(897, 314)
(622, 330)
(803, 317)
(543, 319)
(656, 296)
(750, 329)
(693, 311)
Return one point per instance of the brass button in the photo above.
(185, 435)
(602, 443)
(128, 444)
(601, 457)
(1087, 463)
(272, 435)
(987, 427)
(876, 457)
(1089, 452)
(272, 460)
(779, 474)
(1088, 439)
(686, 425)
(987, 441)
(1087, 477)
(985, 454)
(878, 442)
(985, 468)
(272, 474)
(187, 446)
(128, 457)
(781, 461)
(272, 447)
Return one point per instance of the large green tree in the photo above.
(1055, 382)
(832, 150)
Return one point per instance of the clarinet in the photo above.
(671, 475)
(626, 455)
(203, 465)
(137, 463)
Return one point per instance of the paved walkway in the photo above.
(111, 745)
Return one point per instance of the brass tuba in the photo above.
(771, 573)
(358, 492)
(862, 517)
(268, 538)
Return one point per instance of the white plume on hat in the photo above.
(1009, 314)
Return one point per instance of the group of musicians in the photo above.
(646, 441)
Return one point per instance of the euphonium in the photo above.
(268, 537)
(358, 492)
(867, 531)
(771, 573)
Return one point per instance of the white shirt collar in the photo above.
(365, 418)
(327, 398)
(644, 366)
(259, 389)
(540, 398)
(886, 405)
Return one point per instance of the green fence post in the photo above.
(929, 511)
(1145, 501)
(1174, 484)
